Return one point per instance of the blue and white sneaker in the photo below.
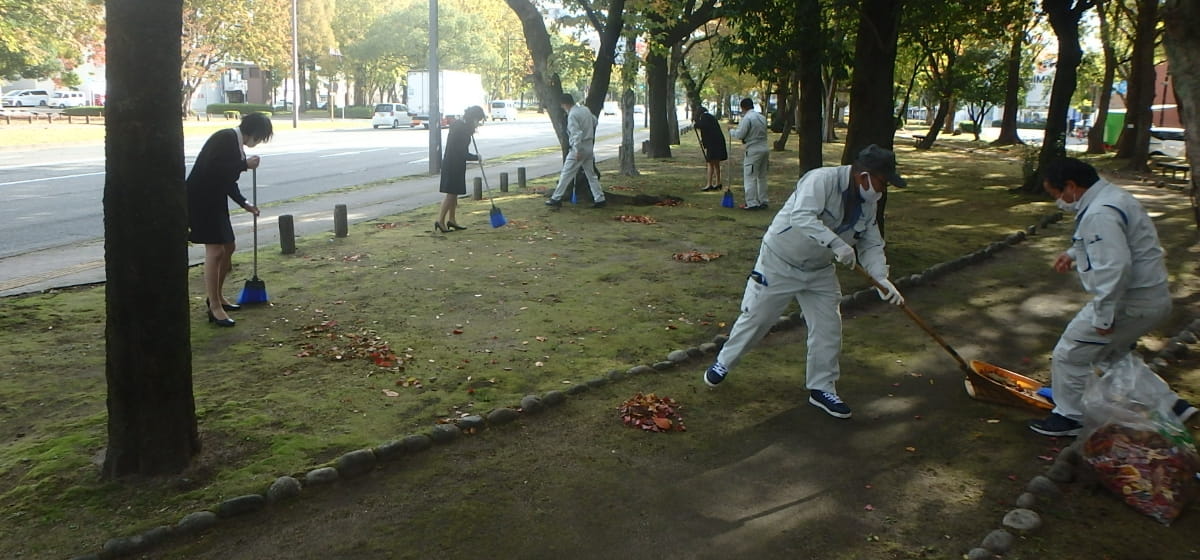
(1184, 410)
(715, 374)
(1056, 425)
(830, 403)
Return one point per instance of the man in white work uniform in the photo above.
(752, 131)
(581, 135)
(829, 216)
(1115, 251)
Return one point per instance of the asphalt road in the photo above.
(52, 196)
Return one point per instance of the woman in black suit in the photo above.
(454, 166)
(213, 179)
(712, 142)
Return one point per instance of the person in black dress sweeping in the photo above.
(212, 180)
(454, 167)
(712, 141)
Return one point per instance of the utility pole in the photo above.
(435, 109)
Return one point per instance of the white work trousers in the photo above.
(1081, 349)
(754, 174)
(581, 157)
(819, 296)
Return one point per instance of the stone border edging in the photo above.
(363, 461)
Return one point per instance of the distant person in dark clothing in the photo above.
(214, 178)
(454, 167)
(712, 141)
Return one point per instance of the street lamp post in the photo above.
(435, 109)
(295, 67)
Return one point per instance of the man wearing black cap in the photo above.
(829, 218)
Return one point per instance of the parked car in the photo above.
(392, 115)
(1168, 142)
(610, 107)
(504, 110)
(26, 98)
(639, 109)
(64, 99)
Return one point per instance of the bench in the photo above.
(1173, 167)
(917, 139)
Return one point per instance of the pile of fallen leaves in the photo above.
(635, 219)
(652, 413)
(669, 201)
(695, 256)
(328, 341)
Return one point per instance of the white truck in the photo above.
(457, 91)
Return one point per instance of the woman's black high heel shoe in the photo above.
(226, 306)
(437, 226)
(454, 226)
(220, 322)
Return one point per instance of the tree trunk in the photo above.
(871, 120)
(950, 126)
(1064, 19)
(1096, 134)
(151, 411)
(932, 133)
(1134, 143)
(785, 110)
(1012, 92)
(1182, 43)
(672, 79)
(812, 89)
(657, 104)
(546, 83)
(628, 163)
(831, 87)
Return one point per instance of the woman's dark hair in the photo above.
(1061, 170)
(257, 126)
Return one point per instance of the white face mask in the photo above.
(1071, 207)
(869, 194)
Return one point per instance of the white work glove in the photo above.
(892, 295)
(844, 254)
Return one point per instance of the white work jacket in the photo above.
(811, 223)
(1115, 247)
(751, 130)
(581, 128)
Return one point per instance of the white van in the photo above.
(64, 99)
(392, 115)
(26, 98)
(504, 110)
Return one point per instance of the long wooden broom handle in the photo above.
(912, 315)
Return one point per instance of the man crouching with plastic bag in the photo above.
(1116, 252)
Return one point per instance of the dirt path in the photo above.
(921, 471)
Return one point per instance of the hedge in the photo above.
(87, 111)
(242, 108)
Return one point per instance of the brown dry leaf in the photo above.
(695, 256)
(635, 219)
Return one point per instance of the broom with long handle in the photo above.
(255, 290)
(496, 217)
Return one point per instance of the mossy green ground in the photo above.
(481, 317)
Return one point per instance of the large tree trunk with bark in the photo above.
(1012, 92)
(658, 103)
(812, 87)
(1182, 43)
(545, 81)
(1064, 18)
(151, 411)
(785, 109)
(1134, 143)
(931, 134)
(871, 96)
(628, 163)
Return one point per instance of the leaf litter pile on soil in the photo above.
(552, 300)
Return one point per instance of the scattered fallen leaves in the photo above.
(620, 188)
(695, 256)
(651, 413)
(329, 341)
(670, 201)
(635, 219)
(389, 225)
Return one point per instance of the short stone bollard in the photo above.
(287, 234)
(521, 177)
(504, 181)
(477, 191)
(340, 227)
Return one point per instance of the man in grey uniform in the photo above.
(752, 131)
(581, 135)
(829, 215)
(1115, 251)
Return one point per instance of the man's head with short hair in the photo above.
(879, 161)
(747, 104)
(566, 100)
(1061, 170)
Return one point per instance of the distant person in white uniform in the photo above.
(1118, 258)
(829, 218)
(752, 131)
(581, 135)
